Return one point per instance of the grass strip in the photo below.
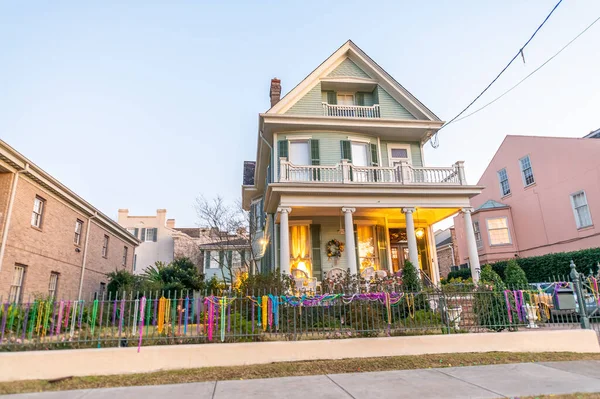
(287, 369)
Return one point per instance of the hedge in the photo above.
(460, 273)
(547, 267)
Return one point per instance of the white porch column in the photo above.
(413, 254)
(471, 245)
(284, 240)
(350, 244)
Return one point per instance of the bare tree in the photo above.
(231, 232)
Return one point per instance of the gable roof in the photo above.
(350, 51)
(593, 135)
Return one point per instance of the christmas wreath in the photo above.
(334, 248)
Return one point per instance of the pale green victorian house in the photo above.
(340, 161)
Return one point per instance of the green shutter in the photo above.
(135, 232)
(221, 258)
(282, 146)
(262, 213)
(314, 152)
(374, 161)
(331, 97)
(315, 237)
(360, 98)
(382, 246)
(154, 234)
(374, 155)
(346, 150)
(230, 259)
(252, 218)
(143, 236)
(315, 158)
(243, 256)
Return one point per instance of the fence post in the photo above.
(575, 276)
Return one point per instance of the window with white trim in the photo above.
(105, 246)
(498, 231)
(299, 152)
(78, 229)
(150, 234)
(398, 153)
(503, 179)
(526, 171)
(38, 212)
(53, 285)
(581, 210)
(477, 231)
(17, 284)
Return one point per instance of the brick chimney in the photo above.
(171, 223)
(275, 92)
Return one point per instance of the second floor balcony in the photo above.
(345, 172)
(351, 111)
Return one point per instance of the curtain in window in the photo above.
(300, 248)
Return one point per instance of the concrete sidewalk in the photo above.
(508, 380)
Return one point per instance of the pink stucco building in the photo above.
(542, 195)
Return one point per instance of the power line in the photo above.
(520, 52)
(528, 76)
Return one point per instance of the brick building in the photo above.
(53, 242)
(446, 247)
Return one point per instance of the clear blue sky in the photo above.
(147, 105)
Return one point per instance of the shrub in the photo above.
(515, 276)
(490, 277)
(271, 282)
(121, 281)
(489, 304)
(410, 278)
(460, 273)
(546, 267)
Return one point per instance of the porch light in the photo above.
(420, 233)
(262, 242)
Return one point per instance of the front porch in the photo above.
(374, 239)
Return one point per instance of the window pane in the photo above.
(579, 199)
(359, 154)
(345, 99)
(399, 153)
(497, 223)
(299, 153)
(499, 237)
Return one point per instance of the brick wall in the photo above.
(52, 249)
(444, 254)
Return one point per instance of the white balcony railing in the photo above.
(352, 111)
(345, 172)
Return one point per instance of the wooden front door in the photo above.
(399, 255)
